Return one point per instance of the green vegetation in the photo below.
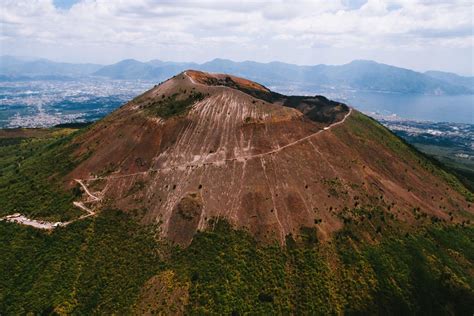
(30, 173)
(92, 266)
(462, 168)
(10, 141)
(421, 273)
(371, 132)
(426, 272)
(100, 265)
(335, 187)
(174, 104)
(73, 125)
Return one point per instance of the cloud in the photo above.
(240, 29)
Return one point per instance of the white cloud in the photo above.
(201, 30)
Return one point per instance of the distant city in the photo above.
(47, 103)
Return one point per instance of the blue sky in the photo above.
(417, 34)
(64, 4)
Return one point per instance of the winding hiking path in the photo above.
(216, 162)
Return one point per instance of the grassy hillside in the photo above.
(112, 264)
(368, 130)
(462, 168)
(32, 164)
(91, 266)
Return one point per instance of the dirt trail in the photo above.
(23, 220)
(92, 196)
(301, 139)
(83, 207)
(214, 162)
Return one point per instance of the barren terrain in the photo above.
(264, 166)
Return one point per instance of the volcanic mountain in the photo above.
(211, 194)
(202, 146)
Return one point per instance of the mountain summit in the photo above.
(203, 146)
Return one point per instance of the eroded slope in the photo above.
(202, 146)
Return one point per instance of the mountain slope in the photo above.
(126, 69)
(133, 69)
(467, 82)
(215, 195)
(372, 76)
(12, 66)
(202, 146)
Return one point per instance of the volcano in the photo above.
(211, 194)
(202, 146)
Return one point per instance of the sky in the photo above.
(417, 34)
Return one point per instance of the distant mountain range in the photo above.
(43, 68)
(467, 82)
(359, 75)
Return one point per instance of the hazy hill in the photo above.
(359, 74)
(127, 69)
(464, 81)
(372, 76)
(26, 67)
(133, 69)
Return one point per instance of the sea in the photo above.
(443, 108)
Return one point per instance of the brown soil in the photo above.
(223, 157)
(33, 132)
